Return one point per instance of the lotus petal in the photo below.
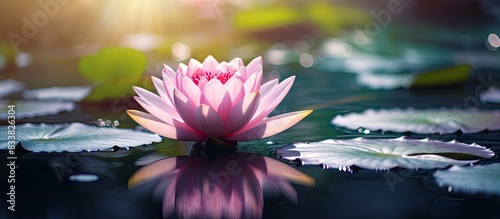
(155, 125)
(221, 100)
(270, 126)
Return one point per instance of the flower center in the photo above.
(221, 76)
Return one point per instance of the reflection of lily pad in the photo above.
(10, 86)
(33, 108)
(385, 153)
(428, 121)
(115, 70)
(475, 179)
(71, 93)
(492, 95)
(76, 137)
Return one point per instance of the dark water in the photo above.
(44, 188)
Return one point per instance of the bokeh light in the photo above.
(492, 42)
(306, 60)
(180, 52)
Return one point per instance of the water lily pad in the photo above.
(264, 18)
(415, 79)
(471, 179)
(443, 77)
(332, 17)
(422, 121)
(492, 95)
(106, 91)
(115, 70)
(10, 86)
(33, 108)
(385, 81)
(380, 154)
(112, 64)
(83, 177)
(69, 93)
(75, 137)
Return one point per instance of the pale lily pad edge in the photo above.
(298, 162)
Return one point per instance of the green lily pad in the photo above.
(75, 137)
(114, 70)
(383, 154)
(443, 77)
(108, 91)
(332, 18)
(265, 18)
(471, 179)
(7, 50)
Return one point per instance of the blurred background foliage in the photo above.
(47, 38)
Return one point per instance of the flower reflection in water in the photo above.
(230, 186)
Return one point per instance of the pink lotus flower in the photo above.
(215, 100)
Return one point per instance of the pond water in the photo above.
(94, 184)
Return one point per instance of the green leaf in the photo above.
(115, 70)
(443, 77)
(7, 50)
(333, 18)
(114, 66)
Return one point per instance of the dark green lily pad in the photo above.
(443, 77)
